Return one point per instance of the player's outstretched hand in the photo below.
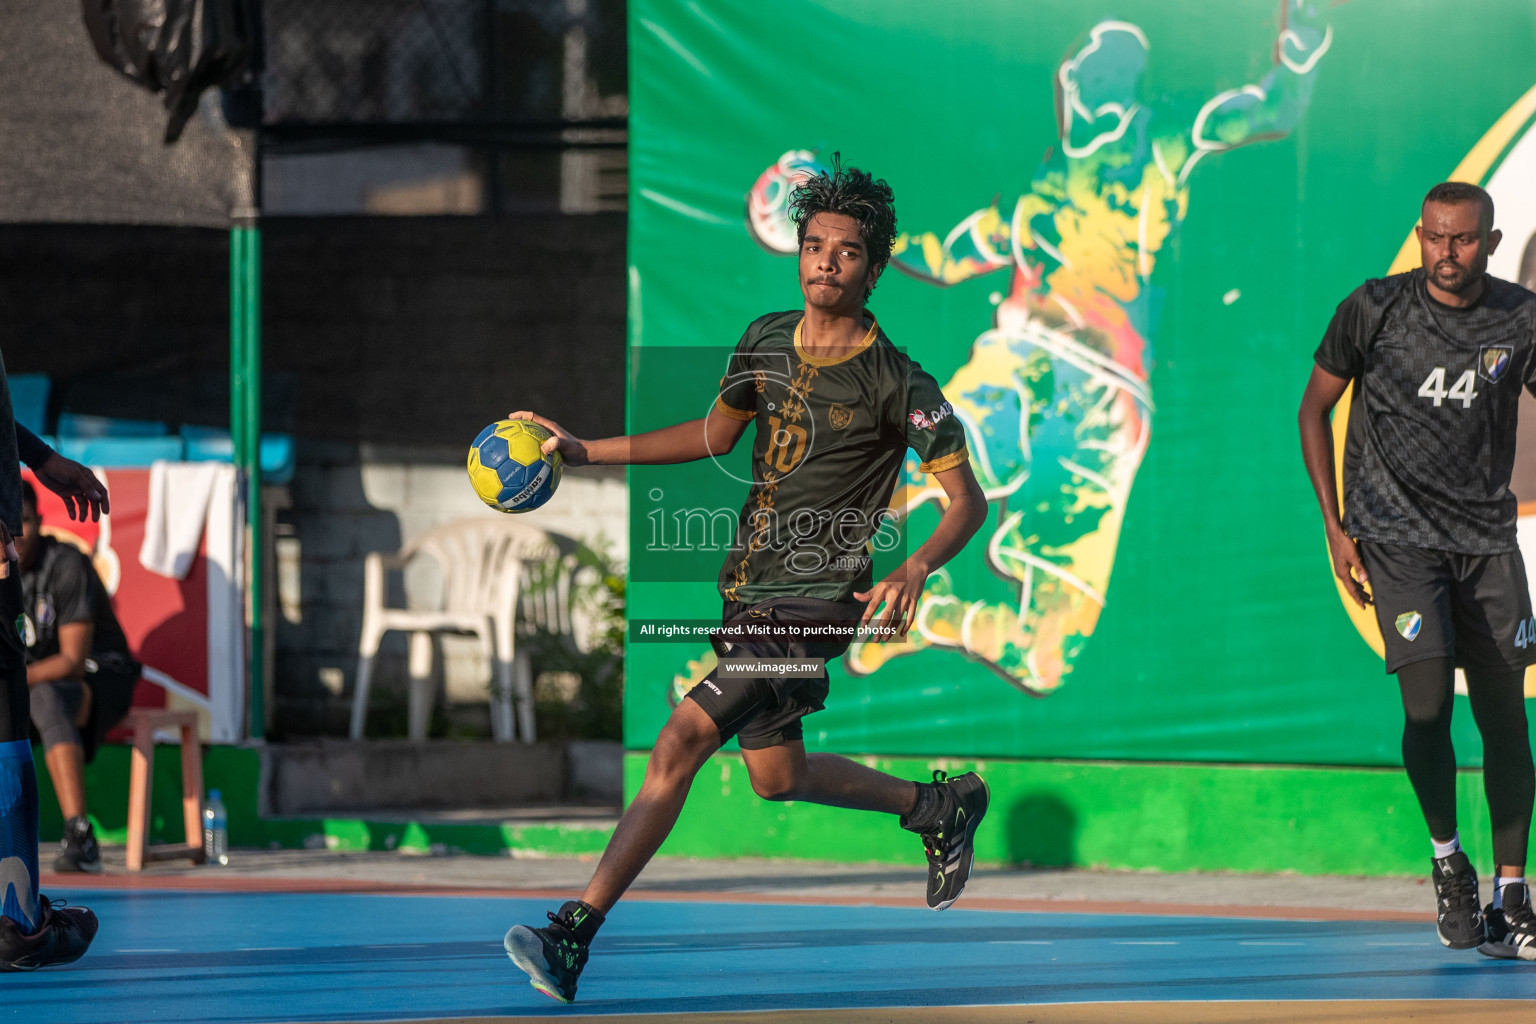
(1348, 567)
(572, 449)
(82, 493)
(899, 593)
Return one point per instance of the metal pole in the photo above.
(257, 528)
(245, 433)
(237, 342)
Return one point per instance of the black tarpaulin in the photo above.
(81, 144)
(175, 47)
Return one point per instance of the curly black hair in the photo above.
(852, 193)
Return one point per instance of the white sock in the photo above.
(1498, 889)
(1443, 850)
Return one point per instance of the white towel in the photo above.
(178, 505)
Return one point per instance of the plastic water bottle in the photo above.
(215, 830)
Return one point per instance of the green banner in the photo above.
(1124, 230)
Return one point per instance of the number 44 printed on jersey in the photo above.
(1462, 391)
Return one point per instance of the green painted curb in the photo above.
(1160, 817)
(1136, 816)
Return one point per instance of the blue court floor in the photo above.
(269, 957)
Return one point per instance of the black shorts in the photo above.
(1474, 609)
(112, 685)
(111, 681)
(766, 712)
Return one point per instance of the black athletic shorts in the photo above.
(1474, 609)
(766, 711)
(111, 681)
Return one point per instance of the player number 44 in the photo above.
(1433, 388)
(1525, 636)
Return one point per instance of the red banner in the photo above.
(165, 620)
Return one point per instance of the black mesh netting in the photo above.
(403, 61)
(83, 143)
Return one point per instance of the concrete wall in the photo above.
(388, 343)
(331, 777)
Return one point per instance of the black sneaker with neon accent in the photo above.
(63, 936)
(950, 846)
(554, 955)
(1459, 915)
(1511, 928)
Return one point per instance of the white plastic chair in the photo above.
(483, 562)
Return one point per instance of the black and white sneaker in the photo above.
(950, 846)
(63, 937)
(1459, 915)
(78, 851)
(1512, 928)
(551, 956)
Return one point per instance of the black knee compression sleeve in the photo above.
(1498, 703)
(1428, 688)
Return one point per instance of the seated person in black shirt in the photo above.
(79, 671)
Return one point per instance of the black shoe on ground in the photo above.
(1458, 912)
(1512, 929)
(79, 850)
(950, 847)
(65, 935)
(551, 956)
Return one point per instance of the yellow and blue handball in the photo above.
(507, 468)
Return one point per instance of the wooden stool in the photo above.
(144, 722)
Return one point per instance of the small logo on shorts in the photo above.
(1494, 361)
(1408, 624)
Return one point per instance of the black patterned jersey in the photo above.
(831, 436)
(63, 588)
(1431, 439)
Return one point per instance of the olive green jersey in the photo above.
(831, 436)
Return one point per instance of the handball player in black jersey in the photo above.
(836, 408)
(1438, 356)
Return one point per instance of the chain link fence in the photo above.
(414, 61)
(498, 105)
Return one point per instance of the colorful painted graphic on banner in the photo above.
(1111, 217)
(1055, 398)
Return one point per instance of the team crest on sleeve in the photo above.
(1408, 625)
(1494, 360)
(839, 416)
